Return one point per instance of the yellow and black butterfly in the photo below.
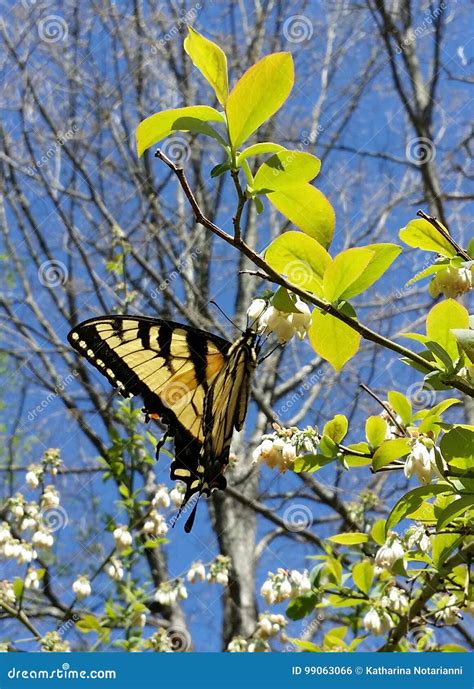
(196, 383)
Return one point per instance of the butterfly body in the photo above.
(196, 383)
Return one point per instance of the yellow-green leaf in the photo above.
(375, 430)
(336, 429)
(383, 257)
(210, 60)
(352, 538)
(286, 168)
(421, 234)
(442, 318)
(454, 510)
(343, 271)
(308, 209)
(332, 339)
(258, 149)
(378, 531)
(258, 94)
(389, 451)
(193, 118)
(401, 405)
(300, 258)
(363, 575)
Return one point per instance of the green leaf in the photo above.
(189, 119)
(412, 500)
(336, 429)
(18, 586)
(389, 451)
(308, 209)
(310, 463)
(258, 94)
(334, 569)
(376, 430)
(341, 601)
(442, 546)
(301, 606)
(432, 270)
(352, 538)
(363, 575)
(378, 531)
(282, 301)
(442, 318)
(258, 149)
(89, 623)
(123, 490)
(457, 447)
(465, 339)
(210, 60)
(285, 169)
(332, 339)
(328, 447)
(219, 169)
(300, 258)
(454, 510)
(421, 234)
(343, 271)
(401, 404)
(382, 259)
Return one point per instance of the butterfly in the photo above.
(194, 382)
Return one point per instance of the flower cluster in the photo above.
(197, 572)
(122, 537)
(377, 622)
(12, 548)
(391, 551)
(82, 587)
(160, 642)
(421, 461)
(396, 600)
(280, 449)
(219, 571)
(115, 569)
(448, 612)
(452, 282)
(171, 591)
(284, 325)
(285, 584)
(53, 643)
(155, 524)
(418, 538)
(268, 626)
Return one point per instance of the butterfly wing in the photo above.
(167, 364)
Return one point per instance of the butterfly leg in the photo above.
(160, 444)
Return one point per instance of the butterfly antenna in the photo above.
(224, 314)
